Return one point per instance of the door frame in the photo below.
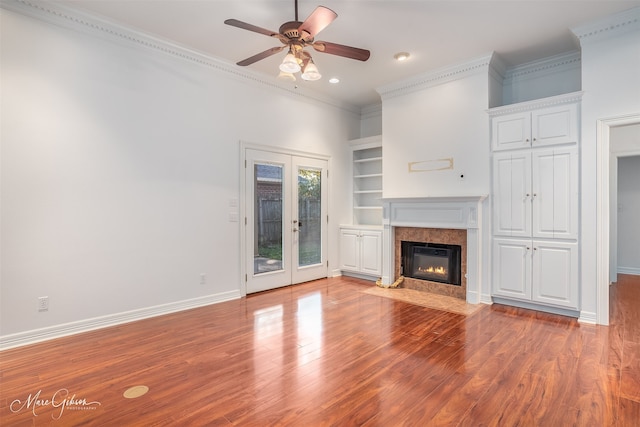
(243, 147)
(603, 199)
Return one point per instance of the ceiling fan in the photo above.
(297, 36)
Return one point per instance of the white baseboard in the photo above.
(65, 329)
(336, 273)
(588, 317)
(629, 270)
(486, 299)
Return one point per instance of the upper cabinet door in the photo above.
(511, 131)
(554, 125)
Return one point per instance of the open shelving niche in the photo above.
(367, 181)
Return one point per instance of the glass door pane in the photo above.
(268, 218)
(309, 214)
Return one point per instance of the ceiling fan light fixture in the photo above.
(311, 72)
(290, 64)
(286, 76)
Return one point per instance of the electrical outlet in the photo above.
(203, 279)
(43, 304)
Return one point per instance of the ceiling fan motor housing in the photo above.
(291, 30)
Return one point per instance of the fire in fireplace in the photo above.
(432, 261)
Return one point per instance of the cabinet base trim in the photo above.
(360, 276)
(537, 307)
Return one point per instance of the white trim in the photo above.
(589, 317)
(551, 101)
(603, 156)
(371, 111)
(629, 270)
(435, 78)
(547, 66)
(72, 328)
(73, 19)
(609, 26)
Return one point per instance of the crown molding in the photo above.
(66, 17)
(613, 25)
(550, 65)
(551, 101)
(372, 110)
(435, 78)
(497, 67)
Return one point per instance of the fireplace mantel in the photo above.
(457, 212)
(433, 212)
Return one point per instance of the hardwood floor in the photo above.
(327, 353)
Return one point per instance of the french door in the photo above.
(286, 219)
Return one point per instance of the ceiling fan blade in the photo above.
(317, 21)
(255, 58)
(245, 26)
(342, 50)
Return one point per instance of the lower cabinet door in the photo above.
(555, 273)
(349, 249)
(512, 268)
(371, 260)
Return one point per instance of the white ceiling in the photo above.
(437, 33)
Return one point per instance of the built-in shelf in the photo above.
(367, 181)
(372, 159)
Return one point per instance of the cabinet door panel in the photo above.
(565, 195)
(502, 194)
(349, 250)
(511, 131)
(521, 194)
(511, 194)
(512, 268)
(543, 193)
(555, 273)
(555, 125)
(555, 190)
(371, 245)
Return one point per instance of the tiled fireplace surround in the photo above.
(451, 220)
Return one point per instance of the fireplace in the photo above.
(454, 220)
(432, 261)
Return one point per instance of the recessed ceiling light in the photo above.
(401, 56)
(334, 80)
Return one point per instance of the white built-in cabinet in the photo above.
(361, 251)
(361, 241)
(536, 193)
(535, 203)
(547, 126)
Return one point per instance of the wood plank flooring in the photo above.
(326, 353)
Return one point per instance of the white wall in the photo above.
(611, 82)
(118, 166)
(446, 121)
(628, 209)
